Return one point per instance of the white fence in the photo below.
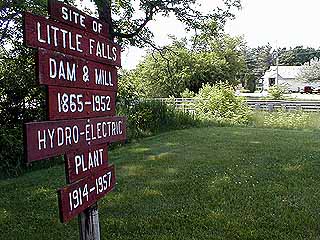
(184, 104)
(187, 104)
(270, 105)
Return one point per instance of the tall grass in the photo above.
(145, 118)
(286, 119)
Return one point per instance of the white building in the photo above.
(287, 77)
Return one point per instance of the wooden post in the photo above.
(89, 223)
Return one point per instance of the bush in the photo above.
(218, 103)
(145, 118)
(276, 92)
(11, 153)
(187, 94)
(283, 119)
(12, 162)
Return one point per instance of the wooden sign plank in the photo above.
(53, 138)
(76, 18)
(78, 196)
(71, 103)
(41, 32)
(83, 163)
(57, 69)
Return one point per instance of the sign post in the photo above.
(89, 223)
(78, 64)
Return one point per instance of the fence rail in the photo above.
(188, 104)
(271, 105)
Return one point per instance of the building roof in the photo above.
(283, 71)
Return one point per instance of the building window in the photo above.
(272, 81)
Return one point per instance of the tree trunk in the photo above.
(105, 15)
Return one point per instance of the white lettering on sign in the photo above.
(96, 27)
(58, 36)
(62, 70)
(107, 129)
(69, 102)
(60, 136)
(94, 159)
(39, 31)
(103, 182)
(73, 17)
(102, 50)
(85, 76)
(101, 103)
(103, 77)
(67, 136)
(80, 195)
(42, 140)
(77, 197)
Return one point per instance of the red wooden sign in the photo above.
(44, 33)
(75, 198)
(53, 138)
(74, 17)
(83, 163)
(78, 63)
(57, 69)
(70, 103)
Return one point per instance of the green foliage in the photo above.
(285, 119)
(258, 60)
(145, 118)
(128, 27)
(22, 99)
(11, 153)
(172, 70)
(276, 92)
(128, 91)
(297, 56)
(187, 94)
(219, 103)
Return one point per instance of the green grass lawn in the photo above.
(208, 183)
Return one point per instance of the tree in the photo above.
(21, 98)
(258, 60)
(297, 56)
(170, 71)
(11, 19)
(310, 73)
(129, 29)
(126, 26)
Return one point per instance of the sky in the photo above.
(282, 23)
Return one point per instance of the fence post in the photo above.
(298, 107)
(270, 107)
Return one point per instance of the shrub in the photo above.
(218, 103)
(11, 153)
(12, 162)
(187, 94)
(145, 118)
(276, 92)
(283, 119)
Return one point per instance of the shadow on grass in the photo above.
(230, 183)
